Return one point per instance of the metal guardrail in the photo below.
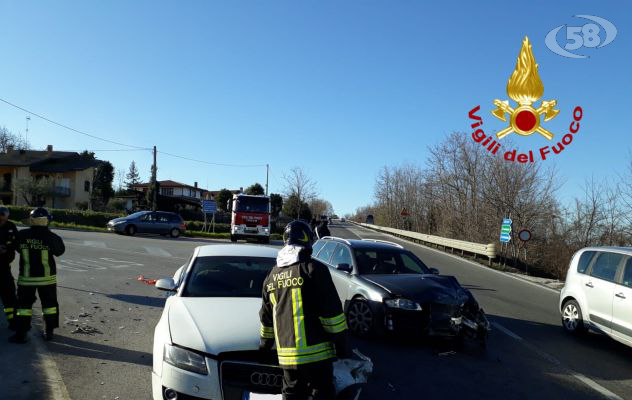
(486, 250)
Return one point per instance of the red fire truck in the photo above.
(250, 218)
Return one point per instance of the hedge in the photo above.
(64, 216)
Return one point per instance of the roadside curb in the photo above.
(507, 274)
(53, 376)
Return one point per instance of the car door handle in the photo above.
(589, 284)
(620, 295)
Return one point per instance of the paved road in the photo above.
(528, 355)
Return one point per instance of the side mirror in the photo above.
(344, 267)
(434, 271)
(166, 284)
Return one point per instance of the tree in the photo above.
(300, 186)
(276, 204)
(102, 190)
(222, 198)
(320, 207)
(293, 207)
(133, 177)
(9, 140)
(255, 190)
(35, 191)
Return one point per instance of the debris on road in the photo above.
(70, 320)
(447, 353)
(84, 315)
(142, 278)
(86, 330)
(350, 373)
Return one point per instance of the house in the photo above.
(56, 179)
(175, 189)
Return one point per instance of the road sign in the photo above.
(524, 235)
(404, 212)
(505, 230)
(209, 206)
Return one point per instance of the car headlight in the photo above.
(403, 304)
(185, 359)
(266, 230)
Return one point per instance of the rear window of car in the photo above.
(228, 276)
(584, 261)
(317, 246)
(325, 253)
(605, 266)
(627, 274)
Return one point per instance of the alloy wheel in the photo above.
(360, 317)
(570, 317)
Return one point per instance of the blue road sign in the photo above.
(209, 206)
(505, 230)
(505, 237)
(507, 221)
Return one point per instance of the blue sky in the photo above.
(340, 88)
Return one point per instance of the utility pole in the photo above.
(26, 140)
(267, 175)
(154, 183)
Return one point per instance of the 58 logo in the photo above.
(589, 35)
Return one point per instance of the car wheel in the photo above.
(130, 230)
(572, 319)
(233, 238)
(174, 233)
(360, 317)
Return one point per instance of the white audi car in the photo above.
(206, 342)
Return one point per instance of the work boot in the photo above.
(19, 338)
(49, 335)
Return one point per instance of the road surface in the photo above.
(528, 355)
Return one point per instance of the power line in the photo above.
(72, 129)
(212, 163)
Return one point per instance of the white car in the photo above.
(206, 342)
(598, 293)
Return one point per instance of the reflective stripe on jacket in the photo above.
(301, 313)
(38, 247)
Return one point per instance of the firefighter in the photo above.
(302, 315)
(8, 233)
(322, 230)
(37, 247)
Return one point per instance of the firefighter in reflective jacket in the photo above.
(8, 233)
(37, 247)
(302, 314)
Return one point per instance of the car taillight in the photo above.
(183, 226)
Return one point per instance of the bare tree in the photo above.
(320, 207)
(9, 140)
(300, 185)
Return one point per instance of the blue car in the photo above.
(158, 222)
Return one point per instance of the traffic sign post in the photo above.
(209, 207)
(505, 231)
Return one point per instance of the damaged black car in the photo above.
(387, 289)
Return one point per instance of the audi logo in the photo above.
(264, 379)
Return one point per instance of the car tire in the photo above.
(233, 238)
(130, 230)
(360, 318)
(572, 319)
(174, 233)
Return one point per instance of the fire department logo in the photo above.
(525, 88)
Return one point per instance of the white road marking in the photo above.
(128, 251)
(93, 243)
(121, 263)
(506, 331)
(157, 251)
(582, 378)
(103, 263)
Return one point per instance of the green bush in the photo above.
(63, 216)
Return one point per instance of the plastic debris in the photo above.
(351, 372)
(148, 281)
(84, 315)
(121, 327)
(70, 320)
(447, 353)
(86, 330)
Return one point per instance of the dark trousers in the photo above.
(7, 293)
(309, 382)
(24, 309)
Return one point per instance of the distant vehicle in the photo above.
(343, 219)
(598, 293)
(369, 219)
(386, 288)
(250, 218)
(206, 344)
(158, 222)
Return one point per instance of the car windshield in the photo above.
(387, 261)
(228, 276)
(137, 214)
(253, 204)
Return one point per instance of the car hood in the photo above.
(421, 288)
(121, 219)
(215, 325)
